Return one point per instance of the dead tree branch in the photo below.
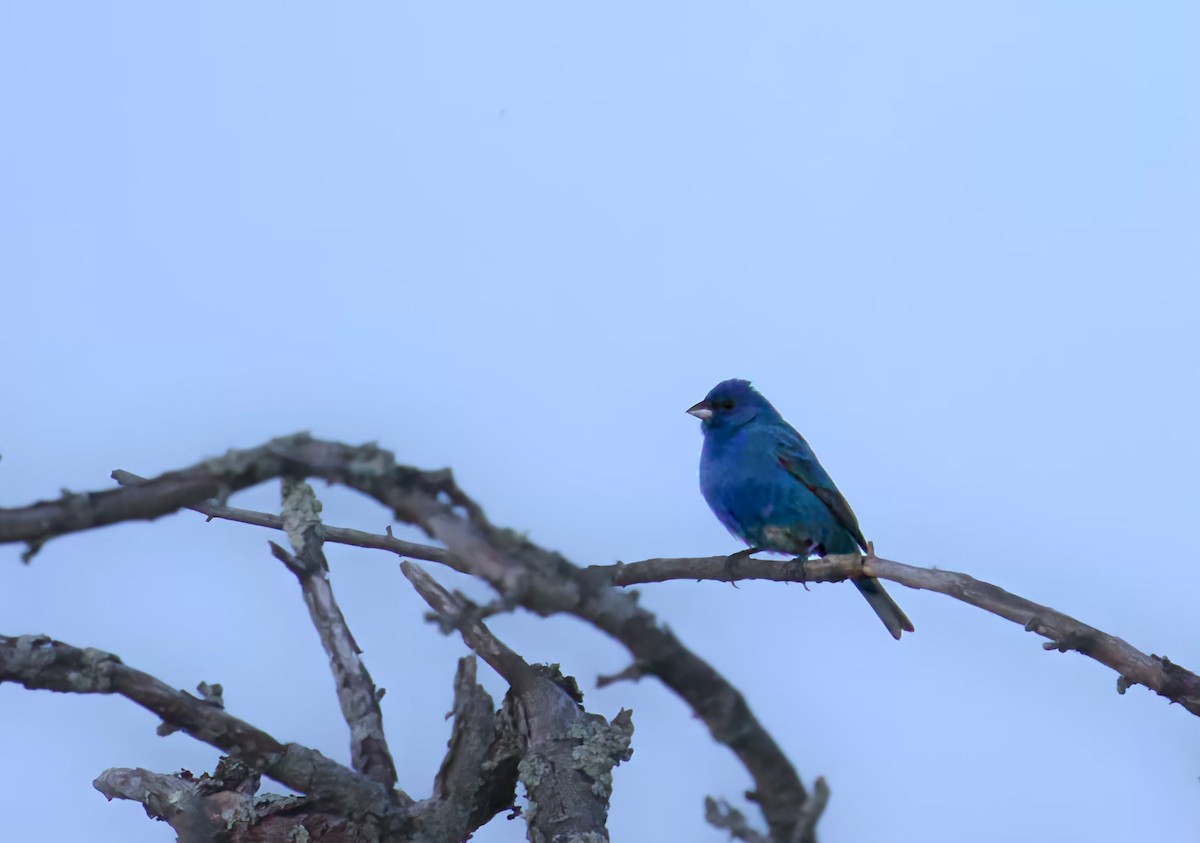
(173, 799)
(356, 691)
(523, 574)
(337, 535)
(567, 754)
(226, 801)
(478, 777)
(37, 662)
(520, 571)
(1133, 667)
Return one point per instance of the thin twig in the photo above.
(337, 535)
(1064, 632)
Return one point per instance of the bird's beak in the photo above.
(702, 411)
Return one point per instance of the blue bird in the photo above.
(764, 483)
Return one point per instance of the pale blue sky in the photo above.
(954, 243)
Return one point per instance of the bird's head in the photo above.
(730, 404)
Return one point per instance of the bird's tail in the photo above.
(893, 616)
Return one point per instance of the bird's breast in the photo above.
(757, 500)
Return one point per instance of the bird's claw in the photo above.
(731, 563)
(802, 561)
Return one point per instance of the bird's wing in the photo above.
(797, 459)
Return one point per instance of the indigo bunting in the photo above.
(764, 483)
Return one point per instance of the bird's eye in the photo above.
(727, 405)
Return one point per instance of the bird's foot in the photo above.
(801, 560)
(731, 563)
(812, 549)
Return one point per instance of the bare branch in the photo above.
(173, 799)
(547, 583)
(520, 571)
(458, 615)
(216, 478)
(356, 692)
(478, 776)
(477, 780)
(1133, 667)
(337, 535)
(37, 662)
(717, 568)
(227, 800)
(568, 754)
(543, 581)
(473, 731)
